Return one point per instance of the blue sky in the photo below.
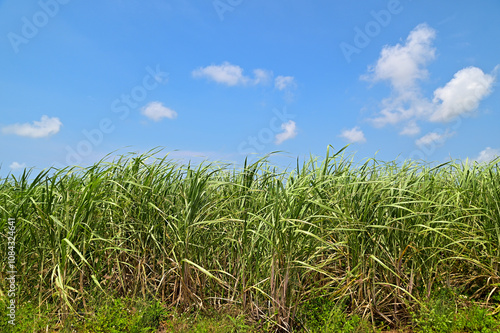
(223, 79)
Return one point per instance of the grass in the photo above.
(374, 242)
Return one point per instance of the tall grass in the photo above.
(376, 238)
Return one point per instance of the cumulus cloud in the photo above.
(156, 111)
(410, 129)
(289, 131)
(232, 75)
(226, 73)
(461, 94)
(262, 76)
(284, 82)
(39, 129)
(353, 135)
(403, 65)
(488, 155)
(16, 165)
(433, 138)
(405, 106)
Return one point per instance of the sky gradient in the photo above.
(225, 79)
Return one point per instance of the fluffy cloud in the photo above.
(231, 75)
(405, 106)
(156, 111)
(488, 155)
(262, 76)
(410, 129)
(39, 129)
(461, 94)
(226, 73)
(353, 135)
(16, 165)
(403, 66)
(289, 131)
(284, 82)
(433, 138)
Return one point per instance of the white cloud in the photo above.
(16, 165)
(39, 129)
(156, 111)
(284, 82)
(287, 85)
(410, 129)
(232, 75)
(403, 66)
(433, 138)
(226, 73)
(289, 131)
(262, 76)
(488, 155)
(461, 94)
(353, 135)
(403, 106)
